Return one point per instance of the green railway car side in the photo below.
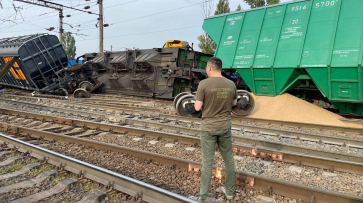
(278, 48)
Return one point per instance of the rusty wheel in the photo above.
(245, 103)
(86, 85)
(81, 93)
(61, 92)
(185, 107)
(177, 98)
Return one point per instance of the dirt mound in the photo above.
(286, 107)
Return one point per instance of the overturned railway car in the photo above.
(159, 72)
(33, 62)
(310, 48)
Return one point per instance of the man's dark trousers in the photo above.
(208, 142)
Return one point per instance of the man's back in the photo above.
(217, 94)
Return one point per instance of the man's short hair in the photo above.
(215, 63)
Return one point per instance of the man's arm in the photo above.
(199, 97)
(234, 102)
(198, 105)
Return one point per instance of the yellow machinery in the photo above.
(176, 43)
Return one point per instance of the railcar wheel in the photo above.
(245, 103)
(81, 93)
(185, 107)
(86, 85)
(61, 92)
(177, 98)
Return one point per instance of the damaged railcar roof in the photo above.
(9, 46)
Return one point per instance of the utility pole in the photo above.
(61, 26)
(100, 18)
(58, 7)
(52, 5)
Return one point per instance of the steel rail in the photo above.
(327, 139)
(126, 109)
(116, 101)
(120, 182)
(250, 180)
(351, 120)
(258, 120)
(235, 119)
(276, 151)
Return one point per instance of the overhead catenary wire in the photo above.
(198, 26)
(34, 17)
(154, 14)
(58, 6)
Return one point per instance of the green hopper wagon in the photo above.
(299, 45)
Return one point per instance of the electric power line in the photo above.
(199, 26)
(154, 14)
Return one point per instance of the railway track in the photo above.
(341, 140)
(249, 180)
(168, 124)
(353, 120)
(87, 182)
(238, 122)
(244, 141)
(158, 135)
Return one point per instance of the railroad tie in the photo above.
(22, 171)
(93, 197)
(28, 183)
(88, 133)
(5, 153)
(10, 160)
(60, 187)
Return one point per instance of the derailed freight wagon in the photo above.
(159, 72)
(310, 48)
(33, 62)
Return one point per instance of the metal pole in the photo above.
(6, 68)
(61, 26)
(101, 24)
(111, 48)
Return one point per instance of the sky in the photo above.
(141, 24)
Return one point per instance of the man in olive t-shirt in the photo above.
(216, 95)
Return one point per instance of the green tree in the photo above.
(69, 45)
(222, 7)
(206, 44)
(260, 3)
(239, 8)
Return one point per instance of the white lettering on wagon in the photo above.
(233, 20)
(291, 32)
(325, 4)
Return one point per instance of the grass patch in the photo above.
(11, 168)
(31, 161)
(35, 172)
(11, 154)
(5, 197)
(91, 186)
(57, 179)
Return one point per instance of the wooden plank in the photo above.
(60, 187)
(28, 183)
(93, 197)
(22, 171)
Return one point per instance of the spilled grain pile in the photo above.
(290, 108)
